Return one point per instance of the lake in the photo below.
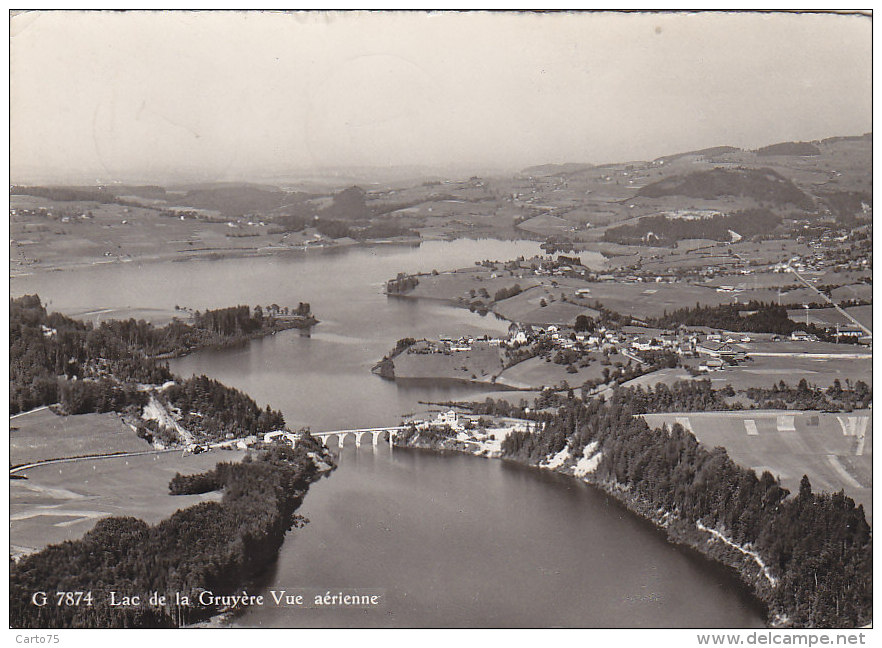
(450, 540)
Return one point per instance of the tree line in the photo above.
(753, 317)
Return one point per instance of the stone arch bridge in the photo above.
(373, 433)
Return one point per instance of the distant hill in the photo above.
(236, 200)
(763, 185)
(706, 152)
(789, 148)
(567, 168)
(848, 138)
(65, 194)
(210, 186)
(662, 229)
(349, 204)
(152, 192)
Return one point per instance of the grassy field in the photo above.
(539, 373)
(666, 376)
(155, 316)
(527, 307)
(456, 285)
(852, 291)
(546, 225)
(767, 371)
(41, 435)
(119, 234)
(831, 316)
(60, 502)
(482, 363)
(649, 299)
(821, 372)
(834, 450)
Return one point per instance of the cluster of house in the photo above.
(828, 253)
(540, 266)
(450, 418)
(718, 349)
(64, 215)
(686, 342)
(447, 344)
(561, 337)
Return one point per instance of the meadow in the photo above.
(57, 502)
(41, 434)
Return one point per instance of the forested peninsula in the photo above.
(212, 546)
(88, 368)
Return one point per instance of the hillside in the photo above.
(789, 148)
(556, 169)
(705, 153)
(664, 230)
(762, 185)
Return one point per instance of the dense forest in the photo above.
(53, 358)
(816, 548)
(213, 411)
(210, 546)
(849, 207)
(665, 230)
(46, 350)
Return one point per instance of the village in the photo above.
(701, 349)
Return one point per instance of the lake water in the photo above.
(462, 541)
(451, 540)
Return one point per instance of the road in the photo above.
(831, 302)
(16, 469)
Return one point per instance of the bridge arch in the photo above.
(375, 434)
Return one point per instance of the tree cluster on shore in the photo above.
(401, 284)
(210, 546)
(88, 368)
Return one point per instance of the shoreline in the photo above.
(709, 543)
(302, 325)
(267, 251)
(208, 254)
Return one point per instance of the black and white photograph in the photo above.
(441, 319)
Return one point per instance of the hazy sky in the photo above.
(144, 94)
